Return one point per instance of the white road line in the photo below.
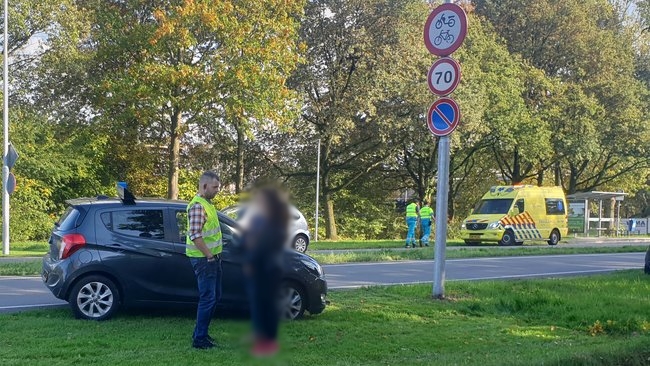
(29, 306)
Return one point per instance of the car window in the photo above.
(227, 233)
(181, 221)
(495, 206)
(520, 205)
(555, 206)
(137, 223)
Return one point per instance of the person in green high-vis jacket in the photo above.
(203, 248)
(411, 223)
(426, 219)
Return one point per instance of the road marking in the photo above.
(29, 306)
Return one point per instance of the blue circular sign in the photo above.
(443, 117)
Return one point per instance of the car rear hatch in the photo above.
(68, 223)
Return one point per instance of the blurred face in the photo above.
(210, 188)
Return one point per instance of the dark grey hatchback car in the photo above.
(106, 254)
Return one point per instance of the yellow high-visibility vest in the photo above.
(211, 231)
(412, 210)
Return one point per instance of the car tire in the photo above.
(507, 239)
(472, 243)
(293, 301)
(94, 297)
(554, 238)
(646, 268)
(300, 243)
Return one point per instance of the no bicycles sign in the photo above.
(445, 29)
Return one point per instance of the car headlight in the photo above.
(313, 266)
(463, 226)
(493, 225)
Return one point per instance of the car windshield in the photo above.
(232, 212)
(498, 206)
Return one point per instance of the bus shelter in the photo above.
(579, 213)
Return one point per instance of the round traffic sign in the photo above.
(445, 29)
(444, 76)
(443, 117)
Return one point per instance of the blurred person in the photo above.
(411, 222)
(203, 247)
(426, 218)
(264, 240)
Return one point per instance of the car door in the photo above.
(232, 260)
(233, 281)
(137, 248)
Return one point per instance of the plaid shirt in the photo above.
(197, 218)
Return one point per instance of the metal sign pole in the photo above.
(5, 168)
(317, 191)
(441, 218)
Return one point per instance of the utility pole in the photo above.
(317, 190)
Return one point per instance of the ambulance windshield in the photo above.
(491, 207)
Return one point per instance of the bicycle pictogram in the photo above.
(450, 22)
(444, 36)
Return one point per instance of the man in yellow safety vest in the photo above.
(203, 247)
(411, 222)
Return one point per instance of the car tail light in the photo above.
(70, 244)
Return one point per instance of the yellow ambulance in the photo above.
(510, 215)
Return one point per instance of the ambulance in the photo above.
(511, 215)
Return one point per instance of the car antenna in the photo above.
(125, 195)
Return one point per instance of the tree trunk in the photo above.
(558, 175)
(540, 178)
(174, 156)
(239, 179)
(330, 223)
(516, 168)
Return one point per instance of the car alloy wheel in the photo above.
(292, 304)
(95, 299)
(300, 243)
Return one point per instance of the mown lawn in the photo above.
(428, 253)
(369, 244)
(28, 249)
(598, 320)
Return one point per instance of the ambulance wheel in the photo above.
(554, 238)
(507, 239)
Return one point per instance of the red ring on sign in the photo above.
(452, 125)
(456, 67)
(462, 17)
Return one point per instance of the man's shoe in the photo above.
(202, 344)
(211, 340)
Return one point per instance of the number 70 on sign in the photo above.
(444, 76)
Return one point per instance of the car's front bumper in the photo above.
(317, 296)
(492, 235)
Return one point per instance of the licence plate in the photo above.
(474, 236)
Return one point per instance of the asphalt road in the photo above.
(23, 293)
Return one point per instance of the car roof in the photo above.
(108, 202)
(114, 201)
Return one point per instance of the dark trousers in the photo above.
(264, 292)
(208, 279)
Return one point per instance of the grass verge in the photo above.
(28, 249)
(368, 244)
(427, 253)
(598, 320)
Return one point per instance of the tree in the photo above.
(160, 70)
(349, 105)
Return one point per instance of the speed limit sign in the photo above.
(443, 76)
